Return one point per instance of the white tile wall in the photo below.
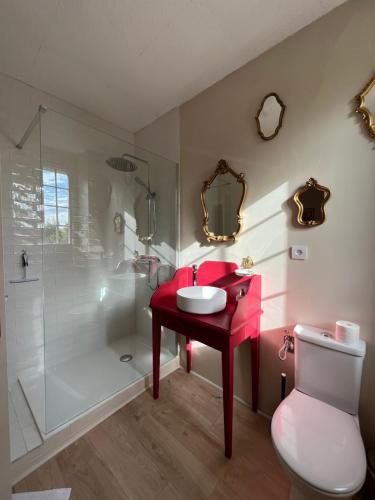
(22, 227)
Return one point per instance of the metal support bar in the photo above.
(41, 110)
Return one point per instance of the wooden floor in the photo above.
(169, 449)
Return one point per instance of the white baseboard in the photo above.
(77, 428)
(237, 398)
(265, 415)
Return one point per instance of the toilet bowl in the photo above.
(315, 430)
(320, 447)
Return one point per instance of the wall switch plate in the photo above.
(299, 252)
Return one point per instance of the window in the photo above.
(56, 206)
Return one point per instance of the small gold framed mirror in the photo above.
(269, 118)
(366, 106)
(310, 200)
(222, 197)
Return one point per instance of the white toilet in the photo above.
(315, 430)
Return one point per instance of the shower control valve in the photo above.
(25, 258)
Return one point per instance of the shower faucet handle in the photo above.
(25, 258)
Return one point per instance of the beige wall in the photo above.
(317, 72)
(162, 136)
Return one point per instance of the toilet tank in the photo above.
(328, 370)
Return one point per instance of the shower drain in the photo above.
(126, 357)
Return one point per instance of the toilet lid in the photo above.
(320, 443)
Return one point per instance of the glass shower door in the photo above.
(99, 268)
(22, 224)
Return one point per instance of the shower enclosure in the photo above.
(90, 228)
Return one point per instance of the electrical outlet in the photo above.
(299, 252)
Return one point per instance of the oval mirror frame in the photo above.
(223, 168)
(281, 116)
(361, 108)
(311, 184)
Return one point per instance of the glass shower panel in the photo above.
(22, 222)
(99, 267)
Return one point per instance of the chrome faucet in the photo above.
(195, 271)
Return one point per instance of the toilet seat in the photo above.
(320, 444)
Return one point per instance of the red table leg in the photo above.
(255, 361)
(156, 337)
(189, 346)
(227, 358)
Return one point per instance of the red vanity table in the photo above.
(224, 330)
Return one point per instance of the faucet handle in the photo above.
(24, 258)
(195, 271)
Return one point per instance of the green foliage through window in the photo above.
(56, 207)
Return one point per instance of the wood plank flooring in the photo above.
(169, 449)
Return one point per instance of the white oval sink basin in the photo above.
(201, 299)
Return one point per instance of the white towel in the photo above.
(62, 494)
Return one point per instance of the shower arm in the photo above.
(41, 110)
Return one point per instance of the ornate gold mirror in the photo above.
(222, 198)
(269, 117)
(310, 200)
(366, 106)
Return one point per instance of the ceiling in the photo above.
(130, 61)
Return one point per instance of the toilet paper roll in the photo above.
(347, 332)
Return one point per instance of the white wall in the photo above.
(317, 73)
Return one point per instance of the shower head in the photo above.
(122, 164)
(125, 163)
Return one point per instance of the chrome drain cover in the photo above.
(125, 358)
